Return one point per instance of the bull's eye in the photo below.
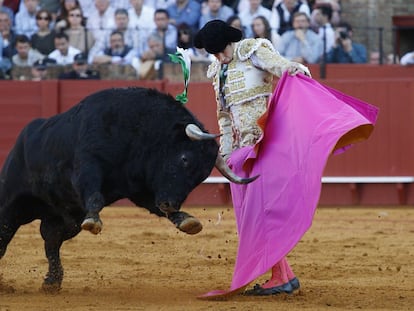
(184, 159)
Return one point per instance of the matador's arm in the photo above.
(264, 56)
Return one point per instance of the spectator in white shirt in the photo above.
(141, 17)
(282, 14)
(131, 36)
(25, 20)
(64, 53)
(159, 4)
(120, 4)
(322, 15)
(407, 59)
(255, 9)
(101, 19)
(88, 7)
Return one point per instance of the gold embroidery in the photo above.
(239, 98)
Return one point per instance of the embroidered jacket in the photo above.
(249, 81)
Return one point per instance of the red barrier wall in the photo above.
(389, 151)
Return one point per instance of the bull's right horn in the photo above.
(229, 174)
(195, 133)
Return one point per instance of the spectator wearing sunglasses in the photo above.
(79, 36)
(43, 39)
(62, 16)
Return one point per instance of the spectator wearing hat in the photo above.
(40, 69)
(80, 70)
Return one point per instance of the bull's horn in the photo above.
(229, 174)
(195, 133)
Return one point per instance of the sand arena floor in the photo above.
(350, 259)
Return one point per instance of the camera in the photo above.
(343, 35)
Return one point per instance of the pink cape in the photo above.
(306, 122)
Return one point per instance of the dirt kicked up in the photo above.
(351, 259)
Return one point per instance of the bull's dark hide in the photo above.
(116, 143)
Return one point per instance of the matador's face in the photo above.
(226, 56)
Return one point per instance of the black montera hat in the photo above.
(215, 36)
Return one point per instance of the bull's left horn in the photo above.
(229, 174)
(195, 133)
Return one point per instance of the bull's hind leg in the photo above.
(54, 231)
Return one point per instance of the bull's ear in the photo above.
(179, 127)
(178, 131)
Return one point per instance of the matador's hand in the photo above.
(294, 68)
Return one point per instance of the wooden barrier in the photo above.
(388, 153)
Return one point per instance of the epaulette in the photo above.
(213, 68)
(248, 46)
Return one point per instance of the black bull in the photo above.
(130, 143)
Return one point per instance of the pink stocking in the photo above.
(281, 274)
(289, 271)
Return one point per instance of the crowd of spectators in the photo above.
(141, 33)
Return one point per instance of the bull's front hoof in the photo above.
(51, 288)
(92, 225)
(185, 222)
(190, 225)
